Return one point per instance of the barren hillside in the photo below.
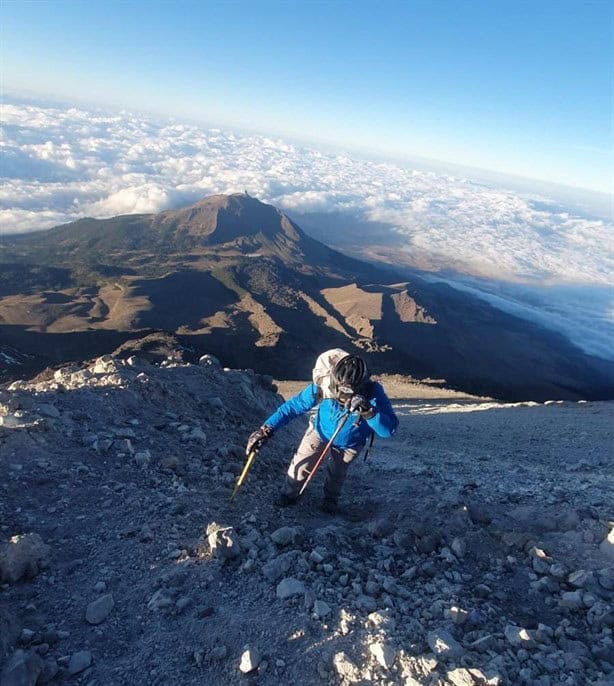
(475, 547)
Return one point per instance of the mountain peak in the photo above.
(225, 218)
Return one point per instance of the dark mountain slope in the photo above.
(233, 276)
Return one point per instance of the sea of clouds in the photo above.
(544, 261)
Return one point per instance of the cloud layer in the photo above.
(59, 164)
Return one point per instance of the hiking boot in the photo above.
(285, 500)
(329, 506)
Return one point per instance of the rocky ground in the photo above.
(475, 547)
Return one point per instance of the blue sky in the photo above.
(520, 87)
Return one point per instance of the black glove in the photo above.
(256, 440)
(358, 403)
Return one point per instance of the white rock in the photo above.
(607, 545)
(384, 653)
(460, 677)
(250, 659)
(443, 644)
(382, 619)
(345, 667)
(223, 541)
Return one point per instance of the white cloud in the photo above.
(60, 164)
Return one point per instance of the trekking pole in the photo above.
(342, 421)
(241, 479)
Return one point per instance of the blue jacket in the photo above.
(355, 431)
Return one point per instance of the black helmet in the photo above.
(349, 374)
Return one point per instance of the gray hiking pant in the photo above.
(335, 465)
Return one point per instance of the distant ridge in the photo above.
(236, 277)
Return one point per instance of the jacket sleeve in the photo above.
(294, 407)
(384, 422)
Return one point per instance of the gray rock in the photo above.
(365, 603)
(23, 557)
(142, 458)
(381, 527)
(518, 636)
(286, 535)
(444, 645)
(579, 579)
(290, 587)
(48, 410)
(79, 662)
(483, 644)
(99, 609)
(540, 560)
(250, 659)
(124, 445)
(50, 671)
(218, 653)
(278, 566)
(160, 600)
(572, 600)
(197, 434)
(321, 609)
(22, 669)
(457, 615)
(459, 547)
(605, 578)
(182, 603)
(558, 570)
(124, 432)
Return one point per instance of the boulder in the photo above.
(444, 645)
(384, 653)
(250, 659)
(99, 609)
(79, 662)
(290, 587)
(22, 669)
(286, 535)
(223, 541)
(23, 557)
